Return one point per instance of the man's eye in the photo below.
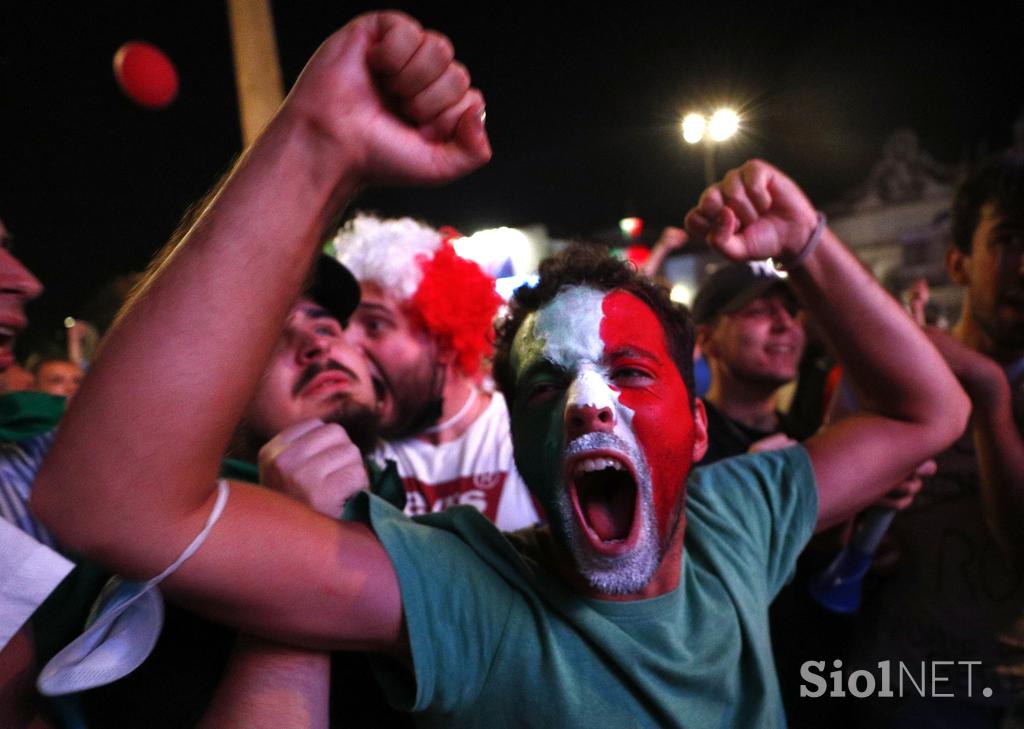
(541, 392)
(631, 375)
(327, 331)
(374, 327)
(754, 312)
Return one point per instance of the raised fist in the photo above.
(391, 100)
(755, 212)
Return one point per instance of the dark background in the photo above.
(583, 111)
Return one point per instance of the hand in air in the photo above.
(754, 212)
(315, 463)
(672, 238)
(391, 97)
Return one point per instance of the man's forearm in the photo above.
(271, 686)
(999, 449)
(911, 403)
(264, 226)
(895, 370)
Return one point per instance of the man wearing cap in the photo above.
(750, 332)
(426, 322)
(312, 415)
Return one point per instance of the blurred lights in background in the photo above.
(723, 124)
(682, 293)
(631, 227)
(693, 127)
(511, 255)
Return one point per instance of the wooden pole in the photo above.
(257, 68)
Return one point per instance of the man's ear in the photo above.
(700, 430)
(957, 266)
(705, 341)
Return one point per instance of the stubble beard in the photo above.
(361, 423)
(416, 403)
(622, 574)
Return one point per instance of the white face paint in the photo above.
(567, 333)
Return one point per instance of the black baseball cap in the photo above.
(733, 286)
(333, 287)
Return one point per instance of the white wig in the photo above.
(386, 252)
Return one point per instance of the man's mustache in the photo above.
(316, 368)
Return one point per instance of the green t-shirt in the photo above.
(496, 641)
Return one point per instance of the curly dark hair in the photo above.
(587, 265)
(998, 180)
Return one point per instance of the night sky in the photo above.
(583, 111)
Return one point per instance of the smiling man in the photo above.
(645, 603)
(750, 333)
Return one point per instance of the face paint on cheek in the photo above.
(566, 333)
(662, 420)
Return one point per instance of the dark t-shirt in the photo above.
(728, 437)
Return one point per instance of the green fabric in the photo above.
(384, 482)
(60, 618)
(496, 641)
(238, 470)
(25, 414)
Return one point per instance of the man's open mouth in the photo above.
(605, 498)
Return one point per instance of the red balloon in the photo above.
(145, 74)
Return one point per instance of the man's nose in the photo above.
(583, 419)
(312, 347)
(16, 279)
(782, 318)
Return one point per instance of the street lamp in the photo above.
(720, 126)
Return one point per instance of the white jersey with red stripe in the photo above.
(476, 469)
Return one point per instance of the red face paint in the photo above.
(650, 385)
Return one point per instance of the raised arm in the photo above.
(131, 476)
(912, 404)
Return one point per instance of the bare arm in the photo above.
(671, 239)
(138, 452)
(271, 686)
(912, 404)
(997, 442)
(267, 684)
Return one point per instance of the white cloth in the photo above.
(476, 469)
(122, 628)
(29, 572)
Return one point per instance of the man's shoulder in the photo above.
(765, 467)
(750, 487)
